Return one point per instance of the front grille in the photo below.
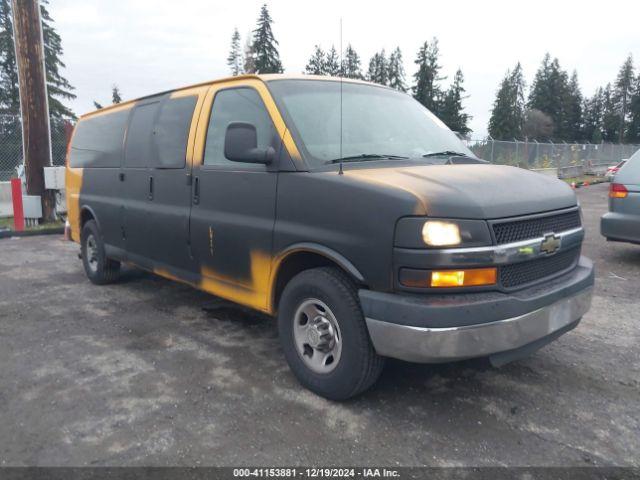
(519, 274)
(528, 228)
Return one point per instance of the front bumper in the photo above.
(441, 328)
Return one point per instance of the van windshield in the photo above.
(377, 123)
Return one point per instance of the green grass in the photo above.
(8, 223)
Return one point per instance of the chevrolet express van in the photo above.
(345, 209)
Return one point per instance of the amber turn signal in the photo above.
(464, 278)
(448, 278)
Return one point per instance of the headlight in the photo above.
(440, 234)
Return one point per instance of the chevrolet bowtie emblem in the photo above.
(550, 244)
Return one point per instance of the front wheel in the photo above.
(324, 335)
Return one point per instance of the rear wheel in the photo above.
(99, 269)
(324, 335)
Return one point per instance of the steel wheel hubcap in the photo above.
(317, 336)
(92, 253)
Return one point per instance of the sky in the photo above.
(147, 46)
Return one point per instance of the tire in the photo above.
(99, 269)
(355, 366)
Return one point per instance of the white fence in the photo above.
(6, 206)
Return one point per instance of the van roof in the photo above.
(264, 78)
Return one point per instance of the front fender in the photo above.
(327, 252)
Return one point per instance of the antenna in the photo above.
(340, 172)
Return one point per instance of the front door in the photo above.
(233, 204)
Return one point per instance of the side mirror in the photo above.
(241, 145)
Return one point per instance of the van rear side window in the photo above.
(171, 131)
(97, 141)
(138, 152)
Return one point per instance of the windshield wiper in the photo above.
(366, 156)
(446, 153)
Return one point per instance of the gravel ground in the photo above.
(150, 372)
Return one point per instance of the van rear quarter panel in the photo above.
(353, 218)
(95, 188)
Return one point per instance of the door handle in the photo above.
(121, 176)
(150, 188)
(196, 190)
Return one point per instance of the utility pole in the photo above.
(34, 104)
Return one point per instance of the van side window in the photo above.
(171, 131)
(97, 140)
(138, 152)
(236, 105)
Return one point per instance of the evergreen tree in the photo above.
(378, 69)
(264, 48)
(537, 125)
(426, 89)
(572, 110)
(593, 116)
(351, 64)
(249, 57)
(58, 87)
(9, 94)
(317, 62)
(115, 95)
(610, 117)
(396, 71)
(234, 60)
(451, 110)
(549, 93)
(622, 95)
(541, 93)
(508, 114)
(332, 64)
(634, 123)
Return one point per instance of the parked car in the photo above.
(611, 171)
(622, 222)
(345, 209)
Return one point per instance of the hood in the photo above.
(476, 191)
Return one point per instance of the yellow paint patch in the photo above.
(73, 187)
(277, 120)
(201, 93)
(254, 294)
(389, 179)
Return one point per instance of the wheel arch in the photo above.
(304, 256)
(86, 214)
